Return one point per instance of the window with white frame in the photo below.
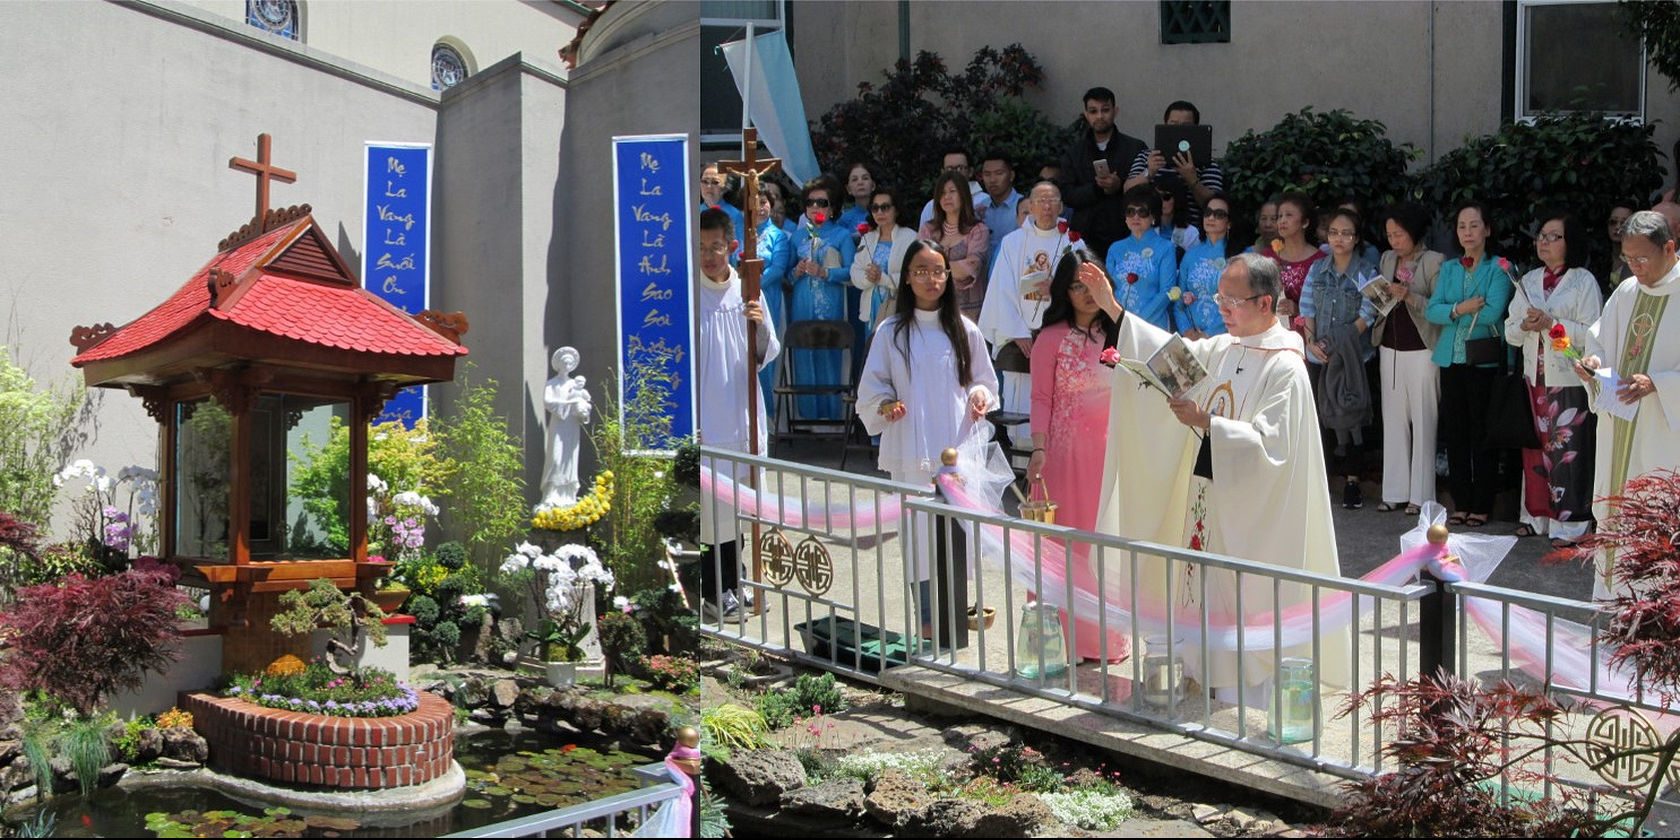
(1574, 55)
(722, 22)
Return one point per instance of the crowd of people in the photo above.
(985, 302)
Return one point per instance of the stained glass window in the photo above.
(448, 67)
(279, 17)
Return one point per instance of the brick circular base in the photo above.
(294, 748)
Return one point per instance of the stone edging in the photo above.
(440, 793)
(294, 748)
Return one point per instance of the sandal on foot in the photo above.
(1413, 510)
(1475, 520)
(1387, 507)
(1525, 531)
(1456, 519)
(1559, 542)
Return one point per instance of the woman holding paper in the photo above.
(1411, 382)
(1334, 311)
(1557, 478)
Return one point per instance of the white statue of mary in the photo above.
(568, 405)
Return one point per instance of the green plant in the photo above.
(714, 820)
(43, 824)
(1010, 762)
(451, 555)
(902, 124)
(676, 674)
(1329, 156)
(349, 615)
(127, 742)
(319, 689)
(36, 429)
(642, 485)
(485, 468)
(622, 641)
(734, 727)
(1581, 162)
(1040, 779)
(1090, 809)
(400, 459)
(37, 742)
(810, 695)
(1658, 24)
(925, 766)
(670, 624)
(84, 745)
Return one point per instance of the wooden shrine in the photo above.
(268, 346)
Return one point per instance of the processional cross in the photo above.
(751, 168)
(265, 172)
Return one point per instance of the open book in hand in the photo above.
(1173, 370)
(1375, 287)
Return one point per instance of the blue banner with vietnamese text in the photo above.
(651, 210)
(395, 258)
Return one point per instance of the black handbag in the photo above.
(1510, 410)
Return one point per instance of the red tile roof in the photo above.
(330, 314)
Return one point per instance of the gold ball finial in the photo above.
(1438, 534)
(688, 736)
(948, 457)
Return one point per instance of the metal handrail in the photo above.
(536, 825)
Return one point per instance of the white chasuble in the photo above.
(1638, 332)
(1268, 500)
(722, 367)
(1017, 295)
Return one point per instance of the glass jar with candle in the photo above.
(1299, 684)
(1163, 673)
(1040, 640)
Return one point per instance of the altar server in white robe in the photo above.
(927, 384)
(722, 370)
(1018, 292)
(1638, 338)
(1231, 467)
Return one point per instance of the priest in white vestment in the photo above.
(1638, 338)
(1018, 293)
(722, 369)
(1234, 467)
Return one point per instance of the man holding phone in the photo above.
(1090, 176)
(1203, 178)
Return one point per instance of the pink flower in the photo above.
(1110, 357)
(1504, 264)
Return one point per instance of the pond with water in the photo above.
(509, 775)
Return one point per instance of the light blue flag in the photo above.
(775, 106)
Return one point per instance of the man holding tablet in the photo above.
(1192, 157)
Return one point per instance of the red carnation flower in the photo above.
(1131, 277)
(1467, 262)
(1557, 331)
(863, 228)
(819, 217)
(1073, 236)
(1110, 357)
(1062, 225)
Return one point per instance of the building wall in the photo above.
(118, 189)
(396, 36)
(1380, 68)
(645, 53)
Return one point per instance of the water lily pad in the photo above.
(497, 790)
(524, 799)
(475, 803)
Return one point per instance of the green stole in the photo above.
(1636, 358)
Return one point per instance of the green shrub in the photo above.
(1329, 156)
(1579, 162)
(485, 470)
(626, 539)
(424, 610)
(902, 124)
(810, 695)
(127, 742)
(622, 641)
(84, 745)
(36, 427)
(1658, 24)
(733, 726)
(451, 555)
(665, 615)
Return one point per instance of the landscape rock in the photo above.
(1204, 813)
(1021, 816)
(176, 764)
(185, 745)
(16, 775)
(973, 737)
(1246, 819)
(840, 798)
(505, 692)
(896, 799)
(759, 777)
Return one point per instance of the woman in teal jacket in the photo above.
(1471, 294)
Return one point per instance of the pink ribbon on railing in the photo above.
(796, 511)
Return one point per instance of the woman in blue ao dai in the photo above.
(1144, 265)
(1195, 313)
(820, 278)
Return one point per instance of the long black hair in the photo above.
(1061, 298)
(1233, 246)
(950, 316)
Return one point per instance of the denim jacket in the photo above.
(1331, 301)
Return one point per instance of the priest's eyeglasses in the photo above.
(1222, 300)
(715, 250)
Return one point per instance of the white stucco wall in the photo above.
(396, 36)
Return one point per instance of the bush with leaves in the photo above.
(347, 615)
(1329, 156)
(485, 470)
(810, 695)
(1580, 162)
(400, 461)
(669, 624)
(442, 581)
(1658, 24)
(622, 641)
(81, 639)
(626, 538)
(36, 427)
(901, 125)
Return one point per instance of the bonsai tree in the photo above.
(622, 641)
(349, 615)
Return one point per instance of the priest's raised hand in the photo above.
(1096, 281)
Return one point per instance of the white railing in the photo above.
(577, 817)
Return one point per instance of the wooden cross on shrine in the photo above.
(751, 168)
(265, 172)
